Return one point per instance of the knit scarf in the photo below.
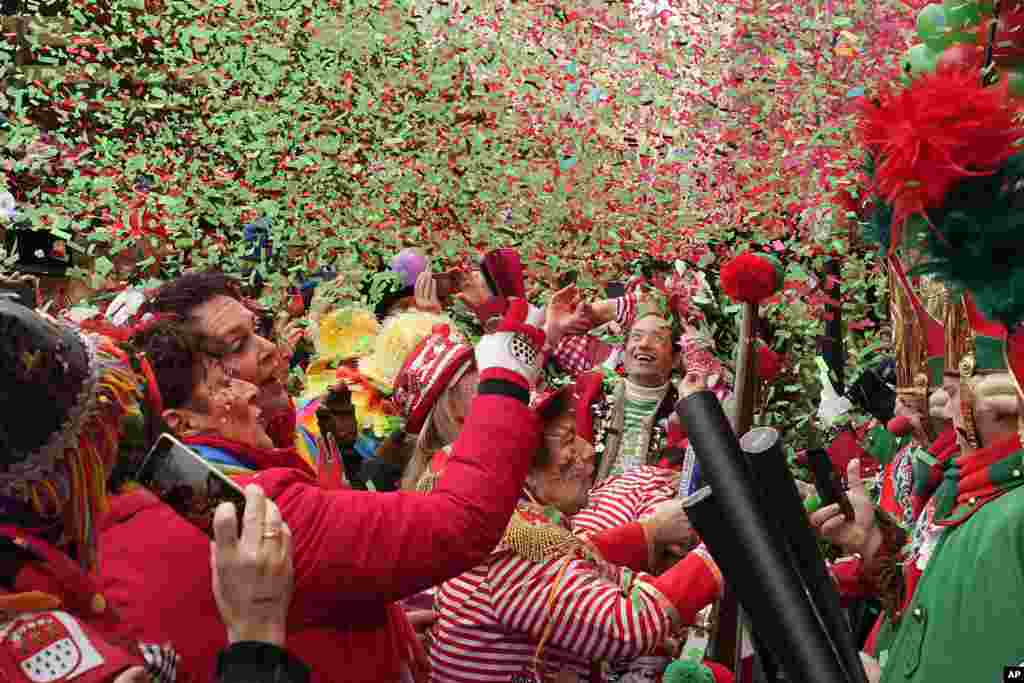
(971, 481)
(612, 429)
(928, 471)
(249, 458)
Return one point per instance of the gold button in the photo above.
(972, 500)
(99, 603)
(917, 613)
(1016, 473)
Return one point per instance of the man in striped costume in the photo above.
(629, 420)
(548, 605)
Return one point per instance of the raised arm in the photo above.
(594, 617)
(353, 546)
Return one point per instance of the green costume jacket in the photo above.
(966, 621)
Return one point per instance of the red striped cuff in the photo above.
(625, 545)
(691, 585)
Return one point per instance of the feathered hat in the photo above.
(925, 139)
(948, 160)
(63, 396)
(341, 335)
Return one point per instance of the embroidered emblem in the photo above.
(903, 480)
(49, 646)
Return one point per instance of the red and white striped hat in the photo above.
(437, 362)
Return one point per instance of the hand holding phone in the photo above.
(188, 484)
(827, 483)
(253, 575)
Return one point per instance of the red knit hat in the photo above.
(437, 362)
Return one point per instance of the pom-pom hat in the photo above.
(437, 362)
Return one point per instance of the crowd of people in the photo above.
(432, 508)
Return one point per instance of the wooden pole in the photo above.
(728, 639)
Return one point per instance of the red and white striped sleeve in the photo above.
(629, 497)
(587, 613)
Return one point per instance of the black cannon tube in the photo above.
(709, 521)
(781, 609)
(763, 447)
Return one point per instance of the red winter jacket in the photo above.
(356, 552)
(72, 637)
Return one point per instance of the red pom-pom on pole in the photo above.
(750, 278)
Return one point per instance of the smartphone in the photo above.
(448, 283)
(614, 290)
(827, 483)
(191, 487)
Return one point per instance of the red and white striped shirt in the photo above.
(629, 497)
(491, 619)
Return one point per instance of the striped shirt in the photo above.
(629, 497)
(491, 619)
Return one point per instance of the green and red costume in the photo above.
(962, 622)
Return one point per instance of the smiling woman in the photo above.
(212, 307)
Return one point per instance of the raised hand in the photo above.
(252, 575)
(691, 383)
(832, 525)
(560, 312)
(669, 525)
(426, 292)
(474, 290)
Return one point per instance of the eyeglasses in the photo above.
(564, 437)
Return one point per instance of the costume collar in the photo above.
(929, 468)
(636, 392)
(971, 481)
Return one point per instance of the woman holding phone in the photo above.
(356, 553)
(64, 398)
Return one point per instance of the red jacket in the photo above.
(72, 640)
(356, 552)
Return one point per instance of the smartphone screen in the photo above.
(191, 487)
(614, 290)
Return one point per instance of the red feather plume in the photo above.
(925, 138)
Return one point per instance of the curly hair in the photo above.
(182, 295)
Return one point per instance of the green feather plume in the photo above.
(977, 241)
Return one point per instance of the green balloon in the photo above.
(931, 27)
(919, 59)
(961, 13)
